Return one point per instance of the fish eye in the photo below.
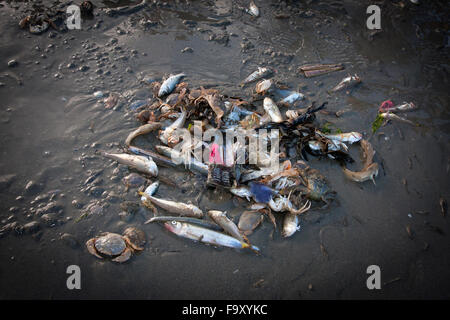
(174, 222)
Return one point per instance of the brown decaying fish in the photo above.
(144, 129)
(368, 173)
(229, 226)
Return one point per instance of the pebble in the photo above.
(12, 63)
(31, 227)
(187, 49)
(98, 94)
(32, 187)
(69, 240)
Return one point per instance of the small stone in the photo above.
(12, 63)
(31, 227)
(187, 49)
(69, 240)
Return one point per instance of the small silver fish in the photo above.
(200, 222)
(243, 192)
(347, 82)
(292, 98)
(392, 116)
(180, 208)
(229, 226)
(348, 137)
(169, 84)
(140, 163)
(258, 74)
(204, 235)
(272, 110)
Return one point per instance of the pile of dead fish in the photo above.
(290, 188)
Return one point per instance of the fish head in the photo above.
(173, 226)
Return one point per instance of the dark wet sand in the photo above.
(51, 128)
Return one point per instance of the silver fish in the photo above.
(200, 222)
(292, 98)
(150, 190)
(272, 110)
(169, 84)
(404, 107)
(204, 235)
(229, 226)
(180, 208)
(349, 137)
(392, 116)
(290, 225)
(347, 82)
(243, 192)
(258, 74)
(140, 163)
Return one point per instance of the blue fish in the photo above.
(261, 192)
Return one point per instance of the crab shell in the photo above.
(117, 246)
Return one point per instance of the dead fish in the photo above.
(368, 173)
(290, 225)
(253, 9)
(258, 74)
(249, 221)
(204, 235)
(347, 83)
(144, 129)
(167, 135)
(392, 116)
(294, 114)
(368, 153)
(200, 222)
(140, 163)
(169, 84)
(291, 99)
(349, 137)
(404, 107)
(243, 192)
(272, 110)
(229, 226)
(263, 86)
(443, 205)
(180, 208)
(312, 70)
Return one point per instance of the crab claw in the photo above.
(132, 245)
(90, 245)
(303, 209)
(124, 256)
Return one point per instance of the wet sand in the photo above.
(51, 128)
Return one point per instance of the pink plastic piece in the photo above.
(215, 154)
